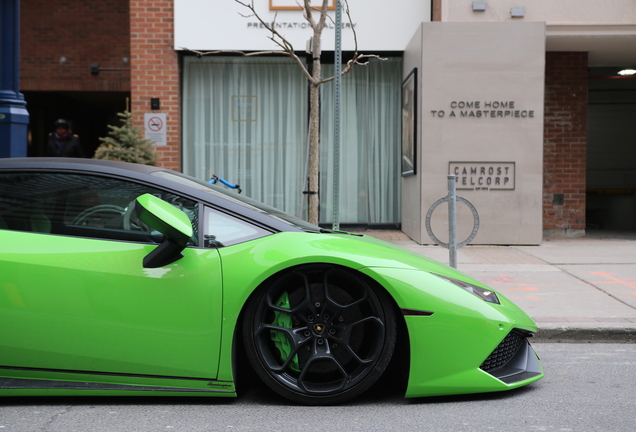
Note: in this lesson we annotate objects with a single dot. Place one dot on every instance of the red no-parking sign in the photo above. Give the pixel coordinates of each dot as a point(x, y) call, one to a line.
point(155, 128)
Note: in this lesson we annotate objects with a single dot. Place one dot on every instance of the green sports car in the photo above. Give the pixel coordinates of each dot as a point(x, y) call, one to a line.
point(124, 279)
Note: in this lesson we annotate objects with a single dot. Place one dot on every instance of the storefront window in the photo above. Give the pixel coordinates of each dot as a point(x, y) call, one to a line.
point(370, 137)
point(245, 119)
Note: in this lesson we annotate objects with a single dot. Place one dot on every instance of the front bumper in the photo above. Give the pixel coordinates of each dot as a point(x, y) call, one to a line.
point(463, 344)
point(455, 362)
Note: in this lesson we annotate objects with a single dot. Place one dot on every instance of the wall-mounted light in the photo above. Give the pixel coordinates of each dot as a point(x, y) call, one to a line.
point(627, 72)
point(62, 60)
point(479, 6)
point(517, 12)
point(95, 69)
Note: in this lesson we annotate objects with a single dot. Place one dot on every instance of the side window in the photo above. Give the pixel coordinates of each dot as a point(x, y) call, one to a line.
point(23, 205)
point(221, 229)
point(80, 205)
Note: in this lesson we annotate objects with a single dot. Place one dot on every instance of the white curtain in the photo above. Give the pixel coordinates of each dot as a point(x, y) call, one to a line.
point(245, 119)
point(370, 144)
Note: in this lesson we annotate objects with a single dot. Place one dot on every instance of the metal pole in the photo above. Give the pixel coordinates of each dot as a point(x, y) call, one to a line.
point(336, 122)
point(14, 117)
point(452, 222)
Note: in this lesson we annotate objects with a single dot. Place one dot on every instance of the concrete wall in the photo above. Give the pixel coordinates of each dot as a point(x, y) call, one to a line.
point(412, 218)
point(551, 11)
point(481, 88)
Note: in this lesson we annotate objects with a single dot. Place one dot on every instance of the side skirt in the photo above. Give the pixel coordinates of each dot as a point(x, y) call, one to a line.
point(49, 382)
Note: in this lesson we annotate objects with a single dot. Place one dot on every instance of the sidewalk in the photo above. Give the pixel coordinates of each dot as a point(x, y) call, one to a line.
point(579, 289)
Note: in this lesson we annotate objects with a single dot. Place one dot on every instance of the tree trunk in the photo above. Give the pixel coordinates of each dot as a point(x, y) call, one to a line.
point(314, 146)
point(314, 119)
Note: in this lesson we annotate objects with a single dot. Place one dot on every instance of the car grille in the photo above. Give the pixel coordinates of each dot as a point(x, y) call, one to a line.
point(504, 352)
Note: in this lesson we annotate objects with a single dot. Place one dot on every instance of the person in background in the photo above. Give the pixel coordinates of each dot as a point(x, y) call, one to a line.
point(63, 142)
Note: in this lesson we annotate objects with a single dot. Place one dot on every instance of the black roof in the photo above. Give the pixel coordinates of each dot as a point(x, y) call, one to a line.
point(213, 196)
point(75, 164)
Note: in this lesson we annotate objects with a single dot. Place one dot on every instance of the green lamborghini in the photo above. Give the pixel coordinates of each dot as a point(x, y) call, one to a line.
point(123, 279)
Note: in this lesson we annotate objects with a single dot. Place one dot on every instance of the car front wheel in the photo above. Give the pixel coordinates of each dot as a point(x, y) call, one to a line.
point(319, 334)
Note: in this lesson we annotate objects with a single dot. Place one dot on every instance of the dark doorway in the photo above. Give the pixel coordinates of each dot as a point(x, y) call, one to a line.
point(89, 114)
point(611, 153)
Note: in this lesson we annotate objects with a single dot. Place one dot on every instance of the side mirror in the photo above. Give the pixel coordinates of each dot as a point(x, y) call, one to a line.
point(169, 221)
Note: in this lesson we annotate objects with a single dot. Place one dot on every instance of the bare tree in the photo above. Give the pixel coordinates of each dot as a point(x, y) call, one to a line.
point(317, 19)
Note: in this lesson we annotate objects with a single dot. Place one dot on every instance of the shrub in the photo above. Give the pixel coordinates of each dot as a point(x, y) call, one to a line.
point(126, 143)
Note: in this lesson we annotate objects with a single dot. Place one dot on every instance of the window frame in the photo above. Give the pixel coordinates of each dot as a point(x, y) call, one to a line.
point(60, 203)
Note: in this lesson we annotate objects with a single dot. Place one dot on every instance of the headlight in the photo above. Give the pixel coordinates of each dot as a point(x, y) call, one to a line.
point(480, 292)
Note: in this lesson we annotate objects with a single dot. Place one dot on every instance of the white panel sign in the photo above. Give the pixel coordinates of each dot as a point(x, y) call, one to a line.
point(155, 128)
point(380, 25)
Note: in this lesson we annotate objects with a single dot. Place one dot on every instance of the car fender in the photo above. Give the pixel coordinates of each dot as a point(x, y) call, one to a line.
point(248, 265)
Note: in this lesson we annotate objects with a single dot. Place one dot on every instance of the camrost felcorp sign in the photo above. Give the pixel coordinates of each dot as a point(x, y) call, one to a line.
point(483, 175)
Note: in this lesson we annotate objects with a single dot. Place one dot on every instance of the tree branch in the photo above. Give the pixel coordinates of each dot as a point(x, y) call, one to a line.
point(287, 48)
point(356, 60)
point(243, 53)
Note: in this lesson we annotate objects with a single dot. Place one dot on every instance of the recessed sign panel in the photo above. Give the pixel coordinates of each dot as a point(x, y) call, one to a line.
point(295, 5)
point(229, 25)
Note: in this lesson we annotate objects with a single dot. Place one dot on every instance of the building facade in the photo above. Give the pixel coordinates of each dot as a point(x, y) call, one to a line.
point(521, 100)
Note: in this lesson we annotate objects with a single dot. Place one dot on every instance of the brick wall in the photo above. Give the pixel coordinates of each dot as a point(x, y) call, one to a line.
point(565, 142)
point(155, 71)
point(82, 33)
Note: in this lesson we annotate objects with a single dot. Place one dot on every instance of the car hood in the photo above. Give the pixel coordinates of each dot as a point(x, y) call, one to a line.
point(373, 252)
point(284, 249)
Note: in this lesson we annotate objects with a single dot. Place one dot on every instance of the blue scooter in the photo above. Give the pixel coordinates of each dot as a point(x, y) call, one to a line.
point(216, 179)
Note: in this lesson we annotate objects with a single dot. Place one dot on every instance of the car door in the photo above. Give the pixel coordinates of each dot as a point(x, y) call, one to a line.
point(74, 295)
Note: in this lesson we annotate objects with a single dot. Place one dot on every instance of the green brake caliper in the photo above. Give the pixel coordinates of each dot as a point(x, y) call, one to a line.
point(283, 319)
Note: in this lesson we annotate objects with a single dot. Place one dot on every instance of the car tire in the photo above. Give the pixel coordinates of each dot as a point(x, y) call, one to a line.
point(319, 334)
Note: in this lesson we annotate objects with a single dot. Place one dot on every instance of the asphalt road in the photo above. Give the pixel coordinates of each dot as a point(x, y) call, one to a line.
point(588, 387)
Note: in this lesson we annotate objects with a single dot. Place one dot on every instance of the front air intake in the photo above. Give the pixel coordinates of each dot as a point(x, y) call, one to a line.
point(513, 360)
point(505, 351)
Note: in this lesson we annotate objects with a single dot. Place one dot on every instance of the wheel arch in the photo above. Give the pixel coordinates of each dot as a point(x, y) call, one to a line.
point(394, 377)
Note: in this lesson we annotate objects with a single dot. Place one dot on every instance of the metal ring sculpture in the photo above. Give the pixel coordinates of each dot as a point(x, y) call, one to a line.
point(475, 221)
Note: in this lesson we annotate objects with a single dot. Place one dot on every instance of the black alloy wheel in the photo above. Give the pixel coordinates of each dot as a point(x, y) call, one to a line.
point(320, 334)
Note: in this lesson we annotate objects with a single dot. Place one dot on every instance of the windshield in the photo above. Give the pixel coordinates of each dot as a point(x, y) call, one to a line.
point(235, 198)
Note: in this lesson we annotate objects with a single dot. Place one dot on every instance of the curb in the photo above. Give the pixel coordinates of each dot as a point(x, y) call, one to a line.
point(585, 335)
